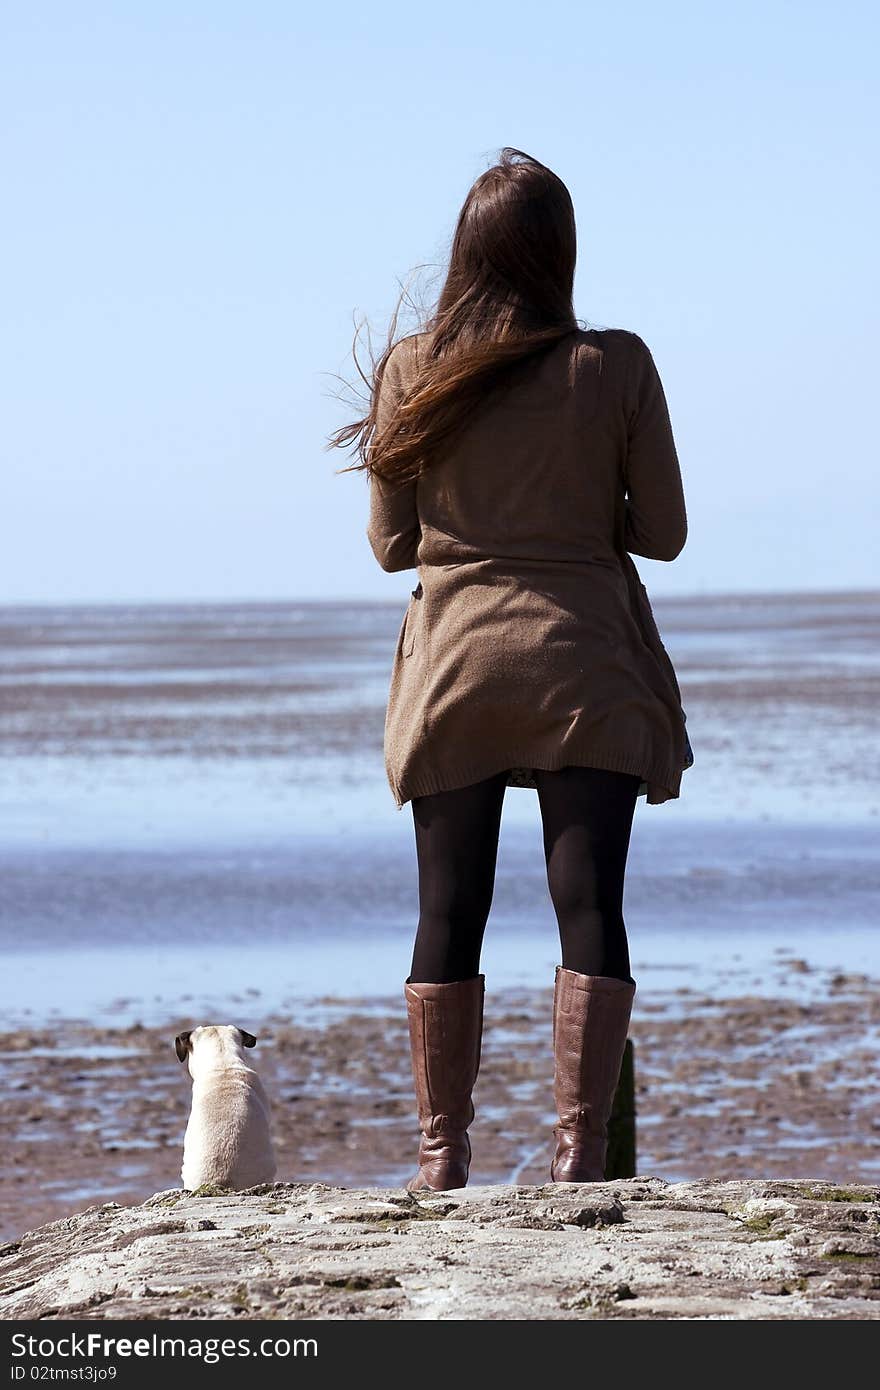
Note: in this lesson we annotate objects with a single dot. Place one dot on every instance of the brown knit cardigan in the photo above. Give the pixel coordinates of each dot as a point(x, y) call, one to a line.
point(529, 641)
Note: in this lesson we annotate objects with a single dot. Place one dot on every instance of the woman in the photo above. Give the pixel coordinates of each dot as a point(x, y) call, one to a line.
point(515, 459)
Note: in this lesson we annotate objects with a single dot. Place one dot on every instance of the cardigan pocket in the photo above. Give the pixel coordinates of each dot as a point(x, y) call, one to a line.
point(656, 640)
point(409, 629)
point(663, 654)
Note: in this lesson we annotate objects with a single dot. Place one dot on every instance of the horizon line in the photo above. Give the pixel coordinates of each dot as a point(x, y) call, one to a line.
point(359, 599)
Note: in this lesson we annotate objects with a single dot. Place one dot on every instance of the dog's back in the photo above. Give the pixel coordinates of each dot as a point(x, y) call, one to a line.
point(228, 1141)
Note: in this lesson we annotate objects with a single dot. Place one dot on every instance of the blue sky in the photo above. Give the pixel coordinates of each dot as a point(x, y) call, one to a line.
point(203, 198)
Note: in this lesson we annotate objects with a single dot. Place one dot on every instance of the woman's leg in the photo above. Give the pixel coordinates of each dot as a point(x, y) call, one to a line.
point(457, 848)
point(587, 816)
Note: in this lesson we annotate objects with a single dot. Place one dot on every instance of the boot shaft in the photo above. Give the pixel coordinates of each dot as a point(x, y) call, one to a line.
point(445, 1028)
point(591, 1015)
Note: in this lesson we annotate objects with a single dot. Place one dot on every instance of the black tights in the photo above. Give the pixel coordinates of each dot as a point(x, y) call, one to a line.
point(587, 816)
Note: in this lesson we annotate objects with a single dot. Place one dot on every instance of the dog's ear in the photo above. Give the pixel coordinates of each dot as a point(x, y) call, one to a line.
point(247, 1038)
point(182, 1045)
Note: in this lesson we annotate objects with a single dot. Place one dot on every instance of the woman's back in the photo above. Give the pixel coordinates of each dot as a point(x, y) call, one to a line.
point(530, 477)
point(537, 474)
point(520, 647)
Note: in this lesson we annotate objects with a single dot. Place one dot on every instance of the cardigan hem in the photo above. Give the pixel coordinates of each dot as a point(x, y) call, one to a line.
point(463, 774)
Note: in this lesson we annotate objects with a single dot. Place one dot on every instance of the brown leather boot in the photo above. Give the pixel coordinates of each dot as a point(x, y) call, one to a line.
point(445, 1033)
point(590, 1021)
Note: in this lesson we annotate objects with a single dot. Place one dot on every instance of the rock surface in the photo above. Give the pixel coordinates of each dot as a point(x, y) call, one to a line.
point(641, 1248)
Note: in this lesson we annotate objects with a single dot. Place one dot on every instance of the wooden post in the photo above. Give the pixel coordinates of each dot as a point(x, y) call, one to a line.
point(621, 1158)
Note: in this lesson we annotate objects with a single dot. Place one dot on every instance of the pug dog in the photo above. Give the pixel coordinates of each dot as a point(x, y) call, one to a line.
point(227, 1141)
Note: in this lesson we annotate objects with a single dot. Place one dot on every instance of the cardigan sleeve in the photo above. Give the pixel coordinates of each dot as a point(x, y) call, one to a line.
point(656, 519)
point(393, 529)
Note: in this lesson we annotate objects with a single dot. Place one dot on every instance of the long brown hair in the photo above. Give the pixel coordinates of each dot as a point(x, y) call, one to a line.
point(507, 296)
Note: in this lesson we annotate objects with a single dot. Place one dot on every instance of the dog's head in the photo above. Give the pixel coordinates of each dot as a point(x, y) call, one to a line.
point(218, 1037)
